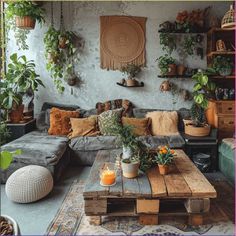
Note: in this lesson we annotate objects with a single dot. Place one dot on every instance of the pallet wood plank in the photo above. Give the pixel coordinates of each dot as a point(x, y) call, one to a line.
point(146, 206)
point(144, 186)
point(175, 184)
point(198, 184)
point(157, 183)
point(93, 207)
point(130, 187)
point(92, 187)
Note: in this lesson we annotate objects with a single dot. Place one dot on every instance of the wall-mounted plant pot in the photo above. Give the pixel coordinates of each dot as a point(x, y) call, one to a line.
point(16, 114)
point(181, 69)
point(131, 82)
point(25, 22)
point(165, 86)
point(191, 129)
point(172, 69)
point(72, 81)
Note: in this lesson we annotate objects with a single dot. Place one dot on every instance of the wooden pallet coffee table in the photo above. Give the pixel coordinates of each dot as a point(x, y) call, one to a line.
point(183, 192)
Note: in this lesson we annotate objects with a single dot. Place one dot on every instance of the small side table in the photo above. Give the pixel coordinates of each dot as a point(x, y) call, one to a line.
point(18, 130)
point(207, 145)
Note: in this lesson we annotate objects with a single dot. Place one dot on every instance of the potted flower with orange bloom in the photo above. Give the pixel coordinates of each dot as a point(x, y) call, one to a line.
point(164, 158)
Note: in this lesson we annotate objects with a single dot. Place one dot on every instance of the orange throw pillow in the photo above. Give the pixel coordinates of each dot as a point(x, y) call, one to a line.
point(141, 127)
point(163, 122)
point(83, 127)
point(60, 121)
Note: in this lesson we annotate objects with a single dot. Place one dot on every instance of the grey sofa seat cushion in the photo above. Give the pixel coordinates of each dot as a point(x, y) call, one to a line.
point(93, 143)
point(38, 148)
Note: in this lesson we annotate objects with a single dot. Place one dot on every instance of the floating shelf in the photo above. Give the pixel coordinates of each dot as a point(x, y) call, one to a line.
point(229, 77)
point(215, 53)
point(175, 76)
point(220, 30)
point(136, 86)
point(159, 31)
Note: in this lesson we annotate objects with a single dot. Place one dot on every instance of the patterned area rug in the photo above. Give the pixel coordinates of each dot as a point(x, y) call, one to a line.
point(71, 220)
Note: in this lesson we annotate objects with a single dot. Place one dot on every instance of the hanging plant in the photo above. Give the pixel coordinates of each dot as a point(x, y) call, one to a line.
point(21, 17)
point(168, 42)
point(189, 45)
point(60, 50)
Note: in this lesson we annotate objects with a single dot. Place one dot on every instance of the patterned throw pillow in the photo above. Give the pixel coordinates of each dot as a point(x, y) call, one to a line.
point(60, 121)
point(109, 119)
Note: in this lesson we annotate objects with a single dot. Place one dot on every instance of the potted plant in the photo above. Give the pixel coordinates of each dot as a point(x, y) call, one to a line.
point(21, 17)
point(167, 65)
point(164, 158)
point(131, 70)
point(4, 133)
point(60, 48)
point(222, 65)
point(168, 42)
point(8, 225)
point(19, 79)
point(202, 90)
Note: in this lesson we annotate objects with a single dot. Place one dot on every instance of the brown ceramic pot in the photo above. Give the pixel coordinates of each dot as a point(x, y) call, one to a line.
point(25, 22)
point(131, 82)
point(163, 169)
point(181, 69)
point(171, 69)
point(16, 114)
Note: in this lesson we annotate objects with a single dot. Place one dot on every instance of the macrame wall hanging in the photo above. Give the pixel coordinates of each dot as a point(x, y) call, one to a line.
point(122, 41)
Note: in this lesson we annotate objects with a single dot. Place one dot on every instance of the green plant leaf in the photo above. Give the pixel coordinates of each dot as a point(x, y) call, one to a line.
point(197, 87)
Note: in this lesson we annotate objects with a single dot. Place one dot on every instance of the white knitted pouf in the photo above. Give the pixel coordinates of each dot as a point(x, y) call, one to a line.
point(29, 184)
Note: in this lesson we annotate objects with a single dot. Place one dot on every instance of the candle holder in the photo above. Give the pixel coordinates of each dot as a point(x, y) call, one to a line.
point(108, 174)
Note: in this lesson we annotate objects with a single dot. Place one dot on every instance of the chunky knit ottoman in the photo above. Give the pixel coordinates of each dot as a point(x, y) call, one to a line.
point(29, 184)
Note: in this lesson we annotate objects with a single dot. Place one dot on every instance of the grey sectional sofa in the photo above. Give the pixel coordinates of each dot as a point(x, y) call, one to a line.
point(56, 152)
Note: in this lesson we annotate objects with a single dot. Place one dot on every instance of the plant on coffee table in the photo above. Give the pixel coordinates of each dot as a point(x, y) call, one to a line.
point(8, 225)
point(164, 158)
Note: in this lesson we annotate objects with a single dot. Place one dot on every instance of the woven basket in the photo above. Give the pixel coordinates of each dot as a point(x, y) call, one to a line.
point(228, 20)
point(25, 22)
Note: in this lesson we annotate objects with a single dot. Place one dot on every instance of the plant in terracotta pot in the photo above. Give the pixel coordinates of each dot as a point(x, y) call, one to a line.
point(131, 70)
point(164, 158)
point(167, 65)
point(202, 91)
point(19, 79)
point(8, 226)
point(21, 17)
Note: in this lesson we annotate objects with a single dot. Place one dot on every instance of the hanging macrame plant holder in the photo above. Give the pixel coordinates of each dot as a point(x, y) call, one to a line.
point(62, 38)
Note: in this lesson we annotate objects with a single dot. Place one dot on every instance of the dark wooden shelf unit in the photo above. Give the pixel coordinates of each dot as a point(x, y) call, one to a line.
point(136, 86)
point(228, 77)
point(175, 76)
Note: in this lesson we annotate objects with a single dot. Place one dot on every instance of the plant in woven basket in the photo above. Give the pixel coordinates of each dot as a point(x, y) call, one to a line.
point(21, 16)
point(222, 65)
point(7, 224)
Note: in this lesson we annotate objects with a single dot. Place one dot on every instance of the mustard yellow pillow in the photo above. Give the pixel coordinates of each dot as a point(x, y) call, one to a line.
point(163, 122)
point(60, 121)
point(83, 127)
point(141, 127)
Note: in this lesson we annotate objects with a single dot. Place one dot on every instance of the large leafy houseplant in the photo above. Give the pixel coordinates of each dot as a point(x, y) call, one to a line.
point(222, 65)
point(17, 11)
point(59, 51)
point(19, 79)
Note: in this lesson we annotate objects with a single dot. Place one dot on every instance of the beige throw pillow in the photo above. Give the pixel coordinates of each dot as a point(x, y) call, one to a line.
point(163, 122)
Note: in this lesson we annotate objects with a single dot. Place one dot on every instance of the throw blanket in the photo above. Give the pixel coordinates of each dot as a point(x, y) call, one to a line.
point(230, 142)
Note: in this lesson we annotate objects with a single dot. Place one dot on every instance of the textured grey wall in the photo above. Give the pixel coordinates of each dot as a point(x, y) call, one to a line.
point(100, 85)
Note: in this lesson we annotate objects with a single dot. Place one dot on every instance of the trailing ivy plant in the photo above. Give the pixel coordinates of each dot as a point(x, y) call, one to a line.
point(59, 58)
point(22, 8)
point(189, 45)
point(168, 42)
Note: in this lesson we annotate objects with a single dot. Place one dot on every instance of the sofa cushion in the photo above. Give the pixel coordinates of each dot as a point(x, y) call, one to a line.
point(84, 127)
point(93, 143)
point(38, 148)
point(163, 122)
point(108, 120)
point(140, 126)
point(60, 121)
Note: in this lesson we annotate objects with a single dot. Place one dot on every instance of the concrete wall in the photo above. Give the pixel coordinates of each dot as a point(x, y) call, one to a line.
point(100, 85)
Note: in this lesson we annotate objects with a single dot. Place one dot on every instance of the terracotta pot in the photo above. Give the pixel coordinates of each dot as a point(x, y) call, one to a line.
point(16, 114)
point(130, 170)
point(25, 22)
point(163, 169)
point(181, 69)
point(165, 86)
point(171, 69)
point(191, 129)
point(131, 82)
point(62, 42)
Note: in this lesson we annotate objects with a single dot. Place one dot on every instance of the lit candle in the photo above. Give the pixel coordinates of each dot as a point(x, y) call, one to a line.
point(108, 177)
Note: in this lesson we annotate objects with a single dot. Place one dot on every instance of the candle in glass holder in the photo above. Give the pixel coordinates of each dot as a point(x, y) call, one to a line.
point(108, 176)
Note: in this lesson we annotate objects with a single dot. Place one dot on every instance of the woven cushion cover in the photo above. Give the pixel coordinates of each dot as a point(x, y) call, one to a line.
point(29, 184)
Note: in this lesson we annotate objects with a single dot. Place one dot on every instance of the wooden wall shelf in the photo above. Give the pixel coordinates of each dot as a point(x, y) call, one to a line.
point(175, 76)
point(220, 30)
point(216, 53)
point(136, 86)
point(229, 77)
